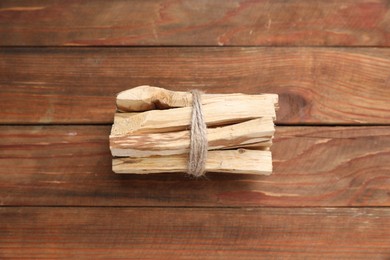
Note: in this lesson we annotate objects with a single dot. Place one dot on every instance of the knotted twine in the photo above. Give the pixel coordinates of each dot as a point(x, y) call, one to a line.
point(198, 138)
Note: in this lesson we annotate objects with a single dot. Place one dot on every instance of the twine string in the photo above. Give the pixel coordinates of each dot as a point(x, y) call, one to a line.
point(198, 137)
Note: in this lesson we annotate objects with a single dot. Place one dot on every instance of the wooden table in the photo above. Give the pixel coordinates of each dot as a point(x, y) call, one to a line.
point(62, 62)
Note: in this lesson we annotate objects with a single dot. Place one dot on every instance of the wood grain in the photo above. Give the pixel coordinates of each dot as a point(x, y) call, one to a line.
point(193, 22)
point(179, 119)
point(78, 85)
point(143, 98)
point(328, 197)
point(185, 233)
point(313, 166)
point(239, 161)
point(256, 132)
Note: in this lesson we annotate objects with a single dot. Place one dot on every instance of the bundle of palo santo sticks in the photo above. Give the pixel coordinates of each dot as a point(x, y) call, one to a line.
point(151, 133)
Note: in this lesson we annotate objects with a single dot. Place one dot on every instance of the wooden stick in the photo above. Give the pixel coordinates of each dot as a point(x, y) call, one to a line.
point(263, 146)
point(254, 132)
point(176, 119)
point(231, 161)
point(145, 98)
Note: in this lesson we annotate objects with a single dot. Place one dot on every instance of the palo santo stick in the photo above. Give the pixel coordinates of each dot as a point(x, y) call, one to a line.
point(253, 132)
point(145, 98)
point(232, 161)
point(175, 119)
point(264, 146)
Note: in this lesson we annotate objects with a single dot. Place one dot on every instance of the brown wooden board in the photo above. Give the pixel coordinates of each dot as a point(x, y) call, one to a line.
point(328, 196)
point(78, 85)
point(194, 233)
point(313, 166)
point(213, 23)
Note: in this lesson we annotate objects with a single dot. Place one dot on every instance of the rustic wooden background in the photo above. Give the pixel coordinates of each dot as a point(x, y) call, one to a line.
point(62, 62)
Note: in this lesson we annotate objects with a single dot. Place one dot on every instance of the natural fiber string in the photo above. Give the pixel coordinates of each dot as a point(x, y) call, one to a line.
point(198, 138)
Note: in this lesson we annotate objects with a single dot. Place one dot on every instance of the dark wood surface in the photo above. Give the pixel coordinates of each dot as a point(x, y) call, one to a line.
point(313, 166)
point(62, 62)
point(213, 23)
point(195, 233)
point(78, 85)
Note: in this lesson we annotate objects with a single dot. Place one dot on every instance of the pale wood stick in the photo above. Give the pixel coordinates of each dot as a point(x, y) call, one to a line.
point(231, 161)
point(256, 132)
point(145, 98)
point(175, 119)
point(264, 145)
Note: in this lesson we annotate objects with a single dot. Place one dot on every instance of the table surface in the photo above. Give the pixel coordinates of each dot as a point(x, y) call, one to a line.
point(62, 62)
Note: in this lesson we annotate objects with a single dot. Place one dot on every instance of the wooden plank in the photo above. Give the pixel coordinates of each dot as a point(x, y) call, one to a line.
point(313, 166)
point(78, 85)
point(170, 233)
point(191, 22)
